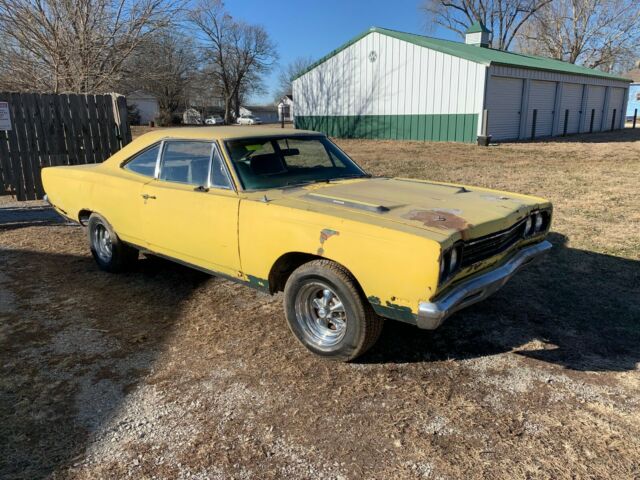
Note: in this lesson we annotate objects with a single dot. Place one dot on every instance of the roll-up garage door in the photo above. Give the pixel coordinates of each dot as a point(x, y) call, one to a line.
point(570, 105)
point(593, 112)
point(616, 102)
point(542, 96)
point(504, 99)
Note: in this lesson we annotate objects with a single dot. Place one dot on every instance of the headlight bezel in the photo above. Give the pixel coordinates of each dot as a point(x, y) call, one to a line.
point(449, 268)
point(537, 223)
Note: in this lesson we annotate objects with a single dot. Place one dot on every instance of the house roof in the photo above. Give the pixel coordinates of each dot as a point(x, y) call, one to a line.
point(478, 27)
point(260, 108)
point(485, 56)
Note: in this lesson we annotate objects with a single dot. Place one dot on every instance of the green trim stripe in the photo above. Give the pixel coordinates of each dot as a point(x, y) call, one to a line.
point(460, 127)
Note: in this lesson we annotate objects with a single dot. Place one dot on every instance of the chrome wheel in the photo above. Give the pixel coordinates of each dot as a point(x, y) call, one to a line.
point(101, 239)
point(321, 315)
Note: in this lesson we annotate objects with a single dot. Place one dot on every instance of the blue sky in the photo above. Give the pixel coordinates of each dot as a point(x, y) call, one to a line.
point(314, 28)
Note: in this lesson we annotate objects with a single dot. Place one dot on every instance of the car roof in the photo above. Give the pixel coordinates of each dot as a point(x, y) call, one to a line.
point(220, 133)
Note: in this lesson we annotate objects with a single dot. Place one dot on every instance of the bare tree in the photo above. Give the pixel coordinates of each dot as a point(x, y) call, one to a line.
point(503, 17)
point(288, 73)
point(601, 34)
point(165, 65)
point(73, 45)
point(239, 54)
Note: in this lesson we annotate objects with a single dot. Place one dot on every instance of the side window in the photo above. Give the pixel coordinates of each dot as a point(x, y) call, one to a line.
point(185, 162)
point(219, 177)
point(145, 162)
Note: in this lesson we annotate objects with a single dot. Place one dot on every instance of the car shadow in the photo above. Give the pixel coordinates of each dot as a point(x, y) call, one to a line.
point(575, 308)
point(72, 350)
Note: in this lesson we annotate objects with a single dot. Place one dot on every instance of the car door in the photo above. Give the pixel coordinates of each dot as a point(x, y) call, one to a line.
point(190, 210)
point(120, 194)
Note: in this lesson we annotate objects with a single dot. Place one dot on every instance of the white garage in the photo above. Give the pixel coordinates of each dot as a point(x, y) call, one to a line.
point(395, 85)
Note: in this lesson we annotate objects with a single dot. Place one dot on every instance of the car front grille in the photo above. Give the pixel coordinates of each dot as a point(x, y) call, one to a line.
point(486, 247)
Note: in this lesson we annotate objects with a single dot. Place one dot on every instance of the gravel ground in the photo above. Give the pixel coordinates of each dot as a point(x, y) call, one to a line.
point(165, 372)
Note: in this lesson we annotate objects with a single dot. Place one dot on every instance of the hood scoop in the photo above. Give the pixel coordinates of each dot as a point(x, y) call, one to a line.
point(349, 203)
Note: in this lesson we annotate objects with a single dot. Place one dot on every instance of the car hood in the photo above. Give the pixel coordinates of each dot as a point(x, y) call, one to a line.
point(443, 209)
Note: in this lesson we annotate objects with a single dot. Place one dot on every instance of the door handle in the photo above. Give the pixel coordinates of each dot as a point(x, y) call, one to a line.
point(148, 197)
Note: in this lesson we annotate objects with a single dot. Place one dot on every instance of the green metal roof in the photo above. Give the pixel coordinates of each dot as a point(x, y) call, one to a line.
point(485, 56)
point(478, 27)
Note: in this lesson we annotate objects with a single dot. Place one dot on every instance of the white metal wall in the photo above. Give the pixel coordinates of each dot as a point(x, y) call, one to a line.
point(404, 79)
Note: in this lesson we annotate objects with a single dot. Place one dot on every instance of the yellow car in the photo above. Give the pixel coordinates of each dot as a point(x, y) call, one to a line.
point(289, 211)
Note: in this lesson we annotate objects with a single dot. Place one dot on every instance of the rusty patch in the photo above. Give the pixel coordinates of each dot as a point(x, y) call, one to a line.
point(442, 219)
point(325, 234)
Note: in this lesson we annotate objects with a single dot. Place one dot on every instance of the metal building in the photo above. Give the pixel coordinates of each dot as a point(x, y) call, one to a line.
point(393, 85)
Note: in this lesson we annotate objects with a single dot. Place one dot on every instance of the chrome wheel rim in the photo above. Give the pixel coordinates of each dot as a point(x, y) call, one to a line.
point(321, 315)
point(101, 239)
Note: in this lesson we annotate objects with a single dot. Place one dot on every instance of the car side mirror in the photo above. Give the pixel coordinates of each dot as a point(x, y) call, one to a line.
point(201, 188)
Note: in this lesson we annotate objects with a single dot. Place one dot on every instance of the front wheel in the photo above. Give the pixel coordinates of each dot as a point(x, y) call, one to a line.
point(327, 312)
point(109, 252)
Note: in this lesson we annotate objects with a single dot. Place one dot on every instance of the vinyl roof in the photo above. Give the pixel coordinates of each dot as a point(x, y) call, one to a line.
point(485, 56)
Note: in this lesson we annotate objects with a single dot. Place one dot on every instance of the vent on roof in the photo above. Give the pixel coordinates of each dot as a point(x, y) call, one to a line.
point(478, 35)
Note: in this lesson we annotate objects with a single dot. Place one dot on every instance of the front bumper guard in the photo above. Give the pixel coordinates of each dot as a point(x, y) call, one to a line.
point(432, 314)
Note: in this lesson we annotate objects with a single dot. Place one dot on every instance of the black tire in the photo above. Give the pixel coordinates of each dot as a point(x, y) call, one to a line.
point(116, 258)
point(345, 316)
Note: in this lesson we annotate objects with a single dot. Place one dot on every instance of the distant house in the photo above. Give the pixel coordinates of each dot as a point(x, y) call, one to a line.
point(633, 104)
point(266, 113)
point(146, 103)
point(286, 106)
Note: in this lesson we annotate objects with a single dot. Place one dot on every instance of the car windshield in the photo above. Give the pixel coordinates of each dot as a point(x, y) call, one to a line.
point(285, 161)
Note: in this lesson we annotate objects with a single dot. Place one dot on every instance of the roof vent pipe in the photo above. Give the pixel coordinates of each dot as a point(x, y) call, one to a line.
point(478, 35)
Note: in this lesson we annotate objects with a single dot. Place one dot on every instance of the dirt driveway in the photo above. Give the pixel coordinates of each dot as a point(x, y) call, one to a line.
point(164, 372)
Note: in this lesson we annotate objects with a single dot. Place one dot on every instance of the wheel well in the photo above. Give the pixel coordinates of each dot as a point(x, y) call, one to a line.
point(284, 267)
point(287, 263)
point(83, 216)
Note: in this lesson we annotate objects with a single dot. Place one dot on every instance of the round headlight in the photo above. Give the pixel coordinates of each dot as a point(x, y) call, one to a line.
point(539, 221)
point(527, 226)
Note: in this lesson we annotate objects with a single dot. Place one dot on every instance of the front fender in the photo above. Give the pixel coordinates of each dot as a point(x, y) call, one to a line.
point(396, 269)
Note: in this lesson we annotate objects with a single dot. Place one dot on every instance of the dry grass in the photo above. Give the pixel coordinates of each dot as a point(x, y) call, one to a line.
point(167, 373)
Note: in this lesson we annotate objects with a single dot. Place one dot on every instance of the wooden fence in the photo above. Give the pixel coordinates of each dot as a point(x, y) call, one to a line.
point(47, 130)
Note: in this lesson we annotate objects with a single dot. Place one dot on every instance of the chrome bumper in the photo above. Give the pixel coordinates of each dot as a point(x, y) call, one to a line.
point(432, 314)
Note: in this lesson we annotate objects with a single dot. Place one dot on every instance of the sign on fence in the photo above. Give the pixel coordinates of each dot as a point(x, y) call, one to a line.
point(5, 119)
point(48, 130)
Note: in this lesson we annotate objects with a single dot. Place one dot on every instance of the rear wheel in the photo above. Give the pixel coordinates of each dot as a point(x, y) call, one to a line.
point(328, 313)
point(109, 252)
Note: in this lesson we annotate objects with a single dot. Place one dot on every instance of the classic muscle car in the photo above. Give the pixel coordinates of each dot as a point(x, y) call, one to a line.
point(289, 211)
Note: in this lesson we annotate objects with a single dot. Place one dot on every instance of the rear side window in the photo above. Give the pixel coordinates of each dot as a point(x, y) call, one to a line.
point(145, 162)
point(186, 162)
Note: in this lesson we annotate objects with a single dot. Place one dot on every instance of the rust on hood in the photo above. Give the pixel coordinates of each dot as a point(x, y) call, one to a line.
point(440, 218)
